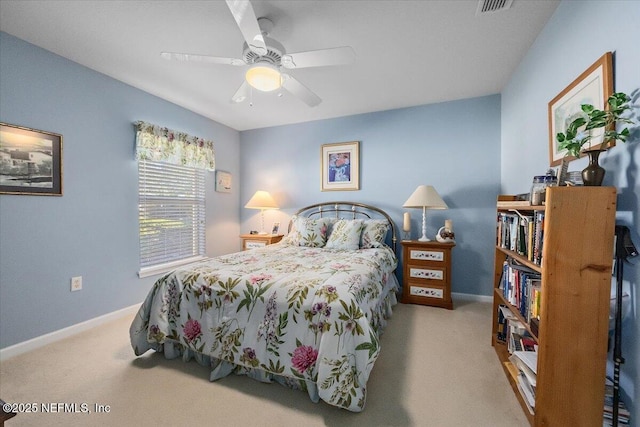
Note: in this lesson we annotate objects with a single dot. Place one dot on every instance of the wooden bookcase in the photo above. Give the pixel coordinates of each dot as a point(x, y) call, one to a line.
point(577, 257)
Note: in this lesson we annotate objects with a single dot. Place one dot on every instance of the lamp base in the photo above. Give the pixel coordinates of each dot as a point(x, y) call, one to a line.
point(424, 237)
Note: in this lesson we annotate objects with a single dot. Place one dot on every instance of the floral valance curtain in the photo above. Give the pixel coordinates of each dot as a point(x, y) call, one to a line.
point(160, 144)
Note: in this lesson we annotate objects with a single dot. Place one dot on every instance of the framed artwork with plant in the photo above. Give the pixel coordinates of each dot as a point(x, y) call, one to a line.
point(30, 161)
point(340, 166)
point(593, 87)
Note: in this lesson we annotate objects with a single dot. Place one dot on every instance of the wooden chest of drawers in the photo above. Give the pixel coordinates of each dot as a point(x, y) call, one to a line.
point(427, 273)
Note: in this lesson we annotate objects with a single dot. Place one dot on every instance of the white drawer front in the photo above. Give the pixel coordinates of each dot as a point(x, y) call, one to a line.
point(426, 292)
point(425, 273)
point(426, 255)
point(252, 244)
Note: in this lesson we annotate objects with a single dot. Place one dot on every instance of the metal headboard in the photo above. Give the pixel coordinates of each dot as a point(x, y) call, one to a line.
point(328, 209)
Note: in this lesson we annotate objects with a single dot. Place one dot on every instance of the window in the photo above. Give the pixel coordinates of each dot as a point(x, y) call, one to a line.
point(171, 208)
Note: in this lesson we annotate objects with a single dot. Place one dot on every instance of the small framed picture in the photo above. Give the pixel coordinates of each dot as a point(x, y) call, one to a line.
point(223, 182)
point(30, 161)
point(276, 227)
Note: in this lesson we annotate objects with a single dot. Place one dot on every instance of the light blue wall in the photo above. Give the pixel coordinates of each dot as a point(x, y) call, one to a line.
point(92, 230)
point(575, 37)
point(453, 146)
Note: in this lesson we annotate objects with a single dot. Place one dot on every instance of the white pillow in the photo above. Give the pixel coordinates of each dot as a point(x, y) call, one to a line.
point(345, 234)
point(307, 232)
point(374, 233)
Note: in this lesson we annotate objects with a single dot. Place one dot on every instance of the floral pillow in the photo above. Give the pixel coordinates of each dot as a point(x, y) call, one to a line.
point(307, 232)
point(374, 233)
point(345, 234)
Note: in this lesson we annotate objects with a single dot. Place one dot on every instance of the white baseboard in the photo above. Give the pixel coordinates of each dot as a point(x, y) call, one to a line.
point(60, 334)
point(471, 297)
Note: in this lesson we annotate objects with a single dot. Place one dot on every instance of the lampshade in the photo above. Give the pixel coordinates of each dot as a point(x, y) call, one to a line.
point(425, 196)
point(261, 200)
point(264, 76)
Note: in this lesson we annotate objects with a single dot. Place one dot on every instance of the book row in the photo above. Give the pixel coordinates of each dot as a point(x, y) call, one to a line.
point(624, 416)
point(522, 233)
point(512, 332)
point(521, 287)
point(524, 369)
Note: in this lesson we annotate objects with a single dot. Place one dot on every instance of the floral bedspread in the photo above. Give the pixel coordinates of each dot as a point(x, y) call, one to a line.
point(308, 318)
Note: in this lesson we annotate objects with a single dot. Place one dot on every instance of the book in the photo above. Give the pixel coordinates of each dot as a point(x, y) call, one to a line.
point(528, 344)
point(524, 397)
point(527, 363)
point(513, 203)
point(529, 358)
point(527, 391)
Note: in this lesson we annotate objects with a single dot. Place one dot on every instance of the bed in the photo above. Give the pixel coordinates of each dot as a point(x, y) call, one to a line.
point(306, 312)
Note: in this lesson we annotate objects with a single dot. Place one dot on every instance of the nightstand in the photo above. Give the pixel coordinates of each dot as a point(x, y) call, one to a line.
point(252, 241)
point(427, 273)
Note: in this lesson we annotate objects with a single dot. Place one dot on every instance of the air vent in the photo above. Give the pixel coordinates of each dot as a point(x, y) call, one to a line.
point(491, 6)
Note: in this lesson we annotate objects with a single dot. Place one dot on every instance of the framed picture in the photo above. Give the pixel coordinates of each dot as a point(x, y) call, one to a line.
point(223, 182)
point(594, 86)
point(30, 161)
point(276, 228)
point(340, 165)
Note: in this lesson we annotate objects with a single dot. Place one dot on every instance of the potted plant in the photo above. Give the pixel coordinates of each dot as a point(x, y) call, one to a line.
point(580, 131)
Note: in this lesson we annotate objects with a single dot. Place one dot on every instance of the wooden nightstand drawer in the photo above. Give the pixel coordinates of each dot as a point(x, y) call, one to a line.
point(427, 273)
point(252, 244)
point(426, 255)
point(421, 292)
point(253, 241)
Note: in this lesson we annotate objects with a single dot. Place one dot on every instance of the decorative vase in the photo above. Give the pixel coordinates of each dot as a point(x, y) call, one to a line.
point(593, 174)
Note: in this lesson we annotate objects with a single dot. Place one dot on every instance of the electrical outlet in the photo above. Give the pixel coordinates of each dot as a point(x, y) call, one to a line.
point(76, 283)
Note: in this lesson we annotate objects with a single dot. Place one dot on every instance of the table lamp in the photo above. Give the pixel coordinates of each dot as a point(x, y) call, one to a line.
point(261, 200)
point(425, 197)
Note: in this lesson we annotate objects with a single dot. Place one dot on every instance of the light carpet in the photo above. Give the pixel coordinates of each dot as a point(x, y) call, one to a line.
point(437, 368)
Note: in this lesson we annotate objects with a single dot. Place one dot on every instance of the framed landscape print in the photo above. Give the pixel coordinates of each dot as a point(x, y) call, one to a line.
point(594, 86)
point(340, 164)
point(30, 161)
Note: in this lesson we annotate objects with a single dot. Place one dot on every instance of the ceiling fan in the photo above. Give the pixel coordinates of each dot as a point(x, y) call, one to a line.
point(267, 59)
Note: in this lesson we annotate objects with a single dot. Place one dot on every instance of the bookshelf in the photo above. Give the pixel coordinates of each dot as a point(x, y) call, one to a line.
point(575, 275)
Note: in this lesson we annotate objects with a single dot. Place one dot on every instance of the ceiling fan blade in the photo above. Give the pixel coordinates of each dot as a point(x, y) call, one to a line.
point(319, 58)
point(241, 94)
point(300, 91)
point(245, 17)
point(201, 58)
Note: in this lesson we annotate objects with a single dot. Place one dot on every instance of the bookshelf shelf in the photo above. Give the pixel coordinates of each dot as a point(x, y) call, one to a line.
point(575, 276)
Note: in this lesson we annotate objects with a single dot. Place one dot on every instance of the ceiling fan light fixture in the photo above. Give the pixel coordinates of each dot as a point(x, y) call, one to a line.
point(264, 77)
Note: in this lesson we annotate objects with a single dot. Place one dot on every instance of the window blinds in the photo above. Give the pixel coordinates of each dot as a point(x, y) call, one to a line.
point(171, 209)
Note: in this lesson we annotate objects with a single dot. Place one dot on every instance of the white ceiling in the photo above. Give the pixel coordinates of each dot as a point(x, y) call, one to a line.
point(408, 52)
